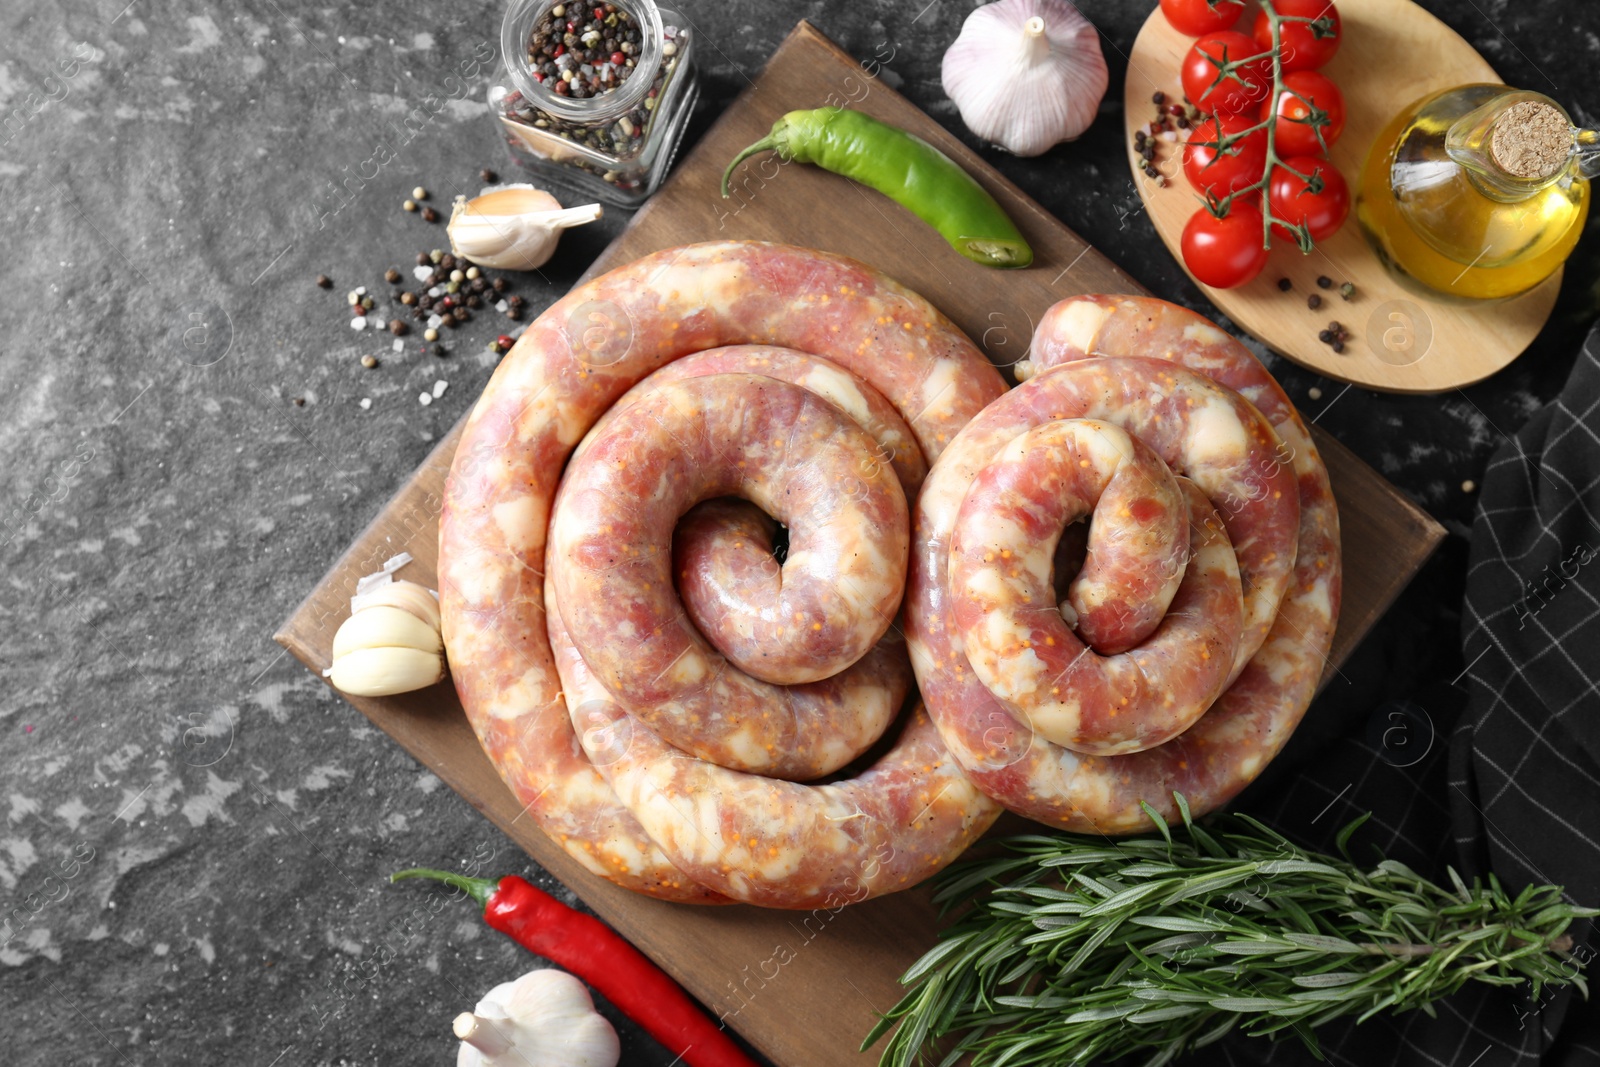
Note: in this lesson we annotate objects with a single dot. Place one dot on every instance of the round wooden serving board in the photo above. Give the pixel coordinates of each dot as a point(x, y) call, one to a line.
point(1393, 53)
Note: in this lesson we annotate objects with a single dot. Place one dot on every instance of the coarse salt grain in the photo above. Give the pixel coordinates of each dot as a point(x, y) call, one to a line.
point(358, 323)
point(421, 273)
point(434, 322)
point(439, 387)
point(425, 399)
point(398, 346)
point(366, 402)
point(501, 306)
point(377, 324)
point(361, 290)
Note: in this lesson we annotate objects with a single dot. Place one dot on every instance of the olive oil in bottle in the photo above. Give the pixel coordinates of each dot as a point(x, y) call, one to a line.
point(1478, 192)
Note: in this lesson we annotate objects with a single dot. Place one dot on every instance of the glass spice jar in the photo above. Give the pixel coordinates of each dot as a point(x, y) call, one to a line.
point(596, 96)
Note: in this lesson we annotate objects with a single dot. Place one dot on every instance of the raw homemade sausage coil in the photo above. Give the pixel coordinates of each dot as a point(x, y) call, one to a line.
point(1203, 617)
point(659, 693)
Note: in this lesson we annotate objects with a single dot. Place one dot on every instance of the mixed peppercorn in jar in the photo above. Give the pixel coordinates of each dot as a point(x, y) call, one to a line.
point(597, 94)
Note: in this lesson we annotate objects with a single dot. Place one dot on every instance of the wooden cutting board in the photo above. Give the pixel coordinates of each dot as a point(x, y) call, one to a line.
point(1401, 341)
point(805, 987)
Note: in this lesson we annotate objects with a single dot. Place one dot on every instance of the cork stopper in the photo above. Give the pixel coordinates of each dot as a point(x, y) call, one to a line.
point(1531, 140)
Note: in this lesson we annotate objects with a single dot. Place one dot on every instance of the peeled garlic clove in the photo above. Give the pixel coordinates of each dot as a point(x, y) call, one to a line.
point(1026, 74)
point(381, 672)
point(385, 627)
point(512, 227)
point(407, 596)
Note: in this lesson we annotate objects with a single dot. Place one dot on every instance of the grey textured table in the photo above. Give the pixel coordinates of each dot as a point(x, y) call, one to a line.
point(196, 831)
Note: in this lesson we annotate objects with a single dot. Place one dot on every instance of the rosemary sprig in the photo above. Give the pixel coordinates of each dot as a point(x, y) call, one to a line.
point(1079, 950)
point(1316, 118)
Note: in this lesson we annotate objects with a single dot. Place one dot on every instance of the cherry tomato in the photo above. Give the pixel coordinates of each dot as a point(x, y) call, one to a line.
point(1224, 252)
point(1243, 163)
point(1302, 48)
point(1199, 17)
point(1292, 200)
point(1294, 136)
point(1242, 90)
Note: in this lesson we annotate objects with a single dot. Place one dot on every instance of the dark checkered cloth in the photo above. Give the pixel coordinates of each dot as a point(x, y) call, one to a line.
point(1505, 777)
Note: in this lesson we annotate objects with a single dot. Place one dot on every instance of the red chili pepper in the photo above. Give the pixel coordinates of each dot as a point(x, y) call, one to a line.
point(600, 956)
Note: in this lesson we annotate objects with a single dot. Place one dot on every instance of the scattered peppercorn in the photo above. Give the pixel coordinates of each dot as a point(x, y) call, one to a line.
point(500, 286)
point(488, 175)
point(408, 299)
point(1347, 290)
point(504, 341)
point(324, 282)
point(430, 334)
point(398, 327)
point(1284, 285)
point(419, 193)
point(369, 361)
point(429, 215)
point(422, 259)
point(1158, 98)
point(410, 205)
point(1313, 301)
point(460, 314)
point(1338, 346)
point(1468, 486)
point(299, 401)
point(1325, 336)
point(1324, 282)
point(391, 276)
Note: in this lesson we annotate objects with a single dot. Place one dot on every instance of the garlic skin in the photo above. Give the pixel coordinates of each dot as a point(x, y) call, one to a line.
point(1026, 74)
point(512, 227)
point(390, 643)
point(545, 1018)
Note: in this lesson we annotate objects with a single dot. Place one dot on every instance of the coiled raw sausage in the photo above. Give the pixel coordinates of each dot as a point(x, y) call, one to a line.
point(1203, 431)
point(569, 368)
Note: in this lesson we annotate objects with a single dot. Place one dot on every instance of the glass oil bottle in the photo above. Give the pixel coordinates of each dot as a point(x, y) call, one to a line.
point(1477, 193)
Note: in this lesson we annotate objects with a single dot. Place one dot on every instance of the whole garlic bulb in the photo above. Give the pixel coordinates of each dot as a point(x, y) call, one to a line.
point(1026, 74)
point(390, 643)
point(545, 1018)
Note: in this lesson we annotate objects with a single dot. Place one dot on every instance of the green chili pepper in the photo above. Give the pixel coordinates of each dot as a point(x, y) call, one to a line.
point(903, 167)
